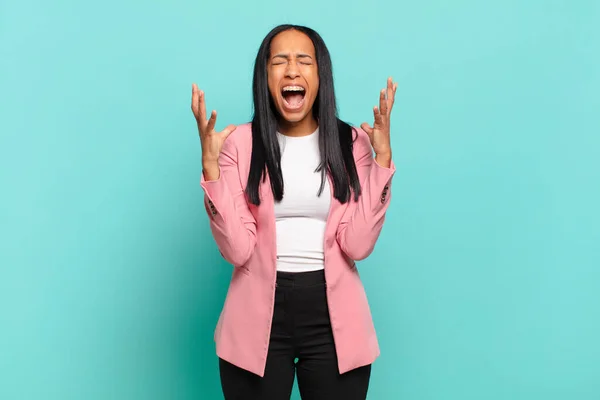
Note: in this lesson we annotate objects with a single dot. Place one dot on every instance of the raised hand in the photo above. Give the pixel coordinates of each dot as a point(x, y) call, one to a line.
point(211, 141)
point(379, 133)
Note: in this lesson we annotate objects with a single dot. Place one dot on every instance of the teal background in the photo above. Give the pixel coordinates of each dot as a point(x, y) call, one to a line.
point(485, 283)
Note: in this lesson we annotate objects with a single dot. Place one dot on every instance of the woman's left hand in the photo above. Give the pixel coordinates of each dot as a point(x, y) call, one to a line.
point(379, 133)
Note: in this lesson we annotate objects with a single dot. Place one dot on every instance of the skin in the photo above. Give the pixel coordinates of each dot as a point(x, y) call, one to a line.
point(292, 61)
point(379, 133)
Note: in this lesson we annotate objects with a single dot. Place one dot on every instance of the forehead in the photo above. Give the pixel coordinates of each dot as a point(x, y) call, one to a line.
point(292, 41)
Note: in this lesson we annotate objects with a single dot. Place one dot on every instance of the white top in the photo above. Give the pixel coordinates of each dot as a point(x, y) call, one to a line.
point(301, 215)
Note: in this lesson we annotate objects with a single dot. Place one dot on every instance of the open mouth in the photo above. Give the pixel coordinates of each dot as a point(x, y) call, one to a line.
point(293, 97)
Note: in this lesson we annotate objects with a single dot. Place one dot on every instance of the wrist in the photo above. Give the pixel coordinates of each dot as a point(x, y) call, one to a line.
point(209, 163)
point(210, 170)
point(384, 159)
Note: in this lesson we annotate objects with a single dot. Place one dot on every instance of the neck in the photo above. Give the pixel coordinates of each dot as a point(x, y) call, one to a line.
point(300, 128)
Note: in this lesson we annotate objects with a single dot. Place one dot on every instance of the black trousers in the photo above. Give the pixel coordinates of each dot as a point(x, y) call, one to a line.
point(301, 344)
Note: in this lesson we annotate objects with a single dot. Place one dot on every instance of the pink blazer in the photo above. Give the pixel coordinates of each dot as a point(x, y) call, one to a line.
point(245, 236)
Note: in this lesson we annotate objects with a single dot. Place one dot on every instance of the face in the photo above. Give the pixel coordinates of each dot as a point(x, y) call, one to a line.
point(293, 76)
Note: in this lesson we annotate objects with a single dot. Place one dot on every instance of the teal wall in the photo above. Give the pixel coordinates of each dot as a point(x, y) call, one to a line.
point(485, 283)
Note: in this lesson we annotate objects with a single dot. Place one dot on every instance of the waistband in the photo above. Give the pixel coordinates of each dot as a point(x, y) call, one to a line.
point(300, 279)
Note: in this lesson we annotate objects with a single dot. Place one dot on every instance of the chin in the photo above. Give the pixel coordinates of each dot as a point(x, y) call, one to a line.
point(293, 117)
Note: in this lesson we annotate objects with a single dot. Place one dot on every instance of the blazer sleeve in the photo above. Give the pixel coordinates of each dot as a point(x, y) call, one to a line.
point(362, 220)
point(232, 224)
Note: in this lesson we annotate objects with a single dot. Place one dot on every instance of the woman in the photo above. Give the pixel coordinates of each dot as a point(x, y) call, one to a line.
point(294, 198)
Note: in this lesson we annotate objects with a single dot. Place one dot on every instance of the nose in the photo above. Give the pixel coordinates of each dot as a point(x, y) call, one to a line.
point(292, 70)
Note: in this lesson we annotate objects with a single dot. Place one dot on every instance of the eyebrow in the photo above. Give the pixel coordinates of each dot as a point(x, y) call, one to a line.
point(286, 55)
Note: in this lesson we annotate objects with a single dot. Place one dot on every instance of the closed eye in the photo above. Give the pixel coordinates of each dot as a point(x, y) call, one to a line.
point(284, 62)
point(280, 59)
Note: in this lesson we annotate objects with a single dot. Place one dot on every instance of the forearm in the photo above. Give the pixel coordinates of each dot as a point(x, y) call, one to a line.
point(363, 220)
point(210, 170)
point(384, 159)
point(231, 222)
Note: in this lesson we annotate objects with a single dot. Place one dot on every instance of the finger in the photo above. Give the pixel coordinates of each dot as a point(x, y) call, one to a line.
point(377, 115)
point(195, 100)
point(201, 107)
point(228, 130)
point(383, 102)
point(390, 92)
point(393, 96)
point(212, 121)
point(367, 128)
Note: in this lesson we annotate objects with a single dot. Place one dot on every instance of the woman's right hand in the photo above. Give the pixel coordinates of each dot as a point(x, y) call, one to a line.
point(211, 141)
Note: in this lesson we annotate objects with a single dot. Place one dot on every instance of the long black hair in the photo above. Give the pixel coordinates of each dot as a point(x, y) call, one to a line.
point(335, 135)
